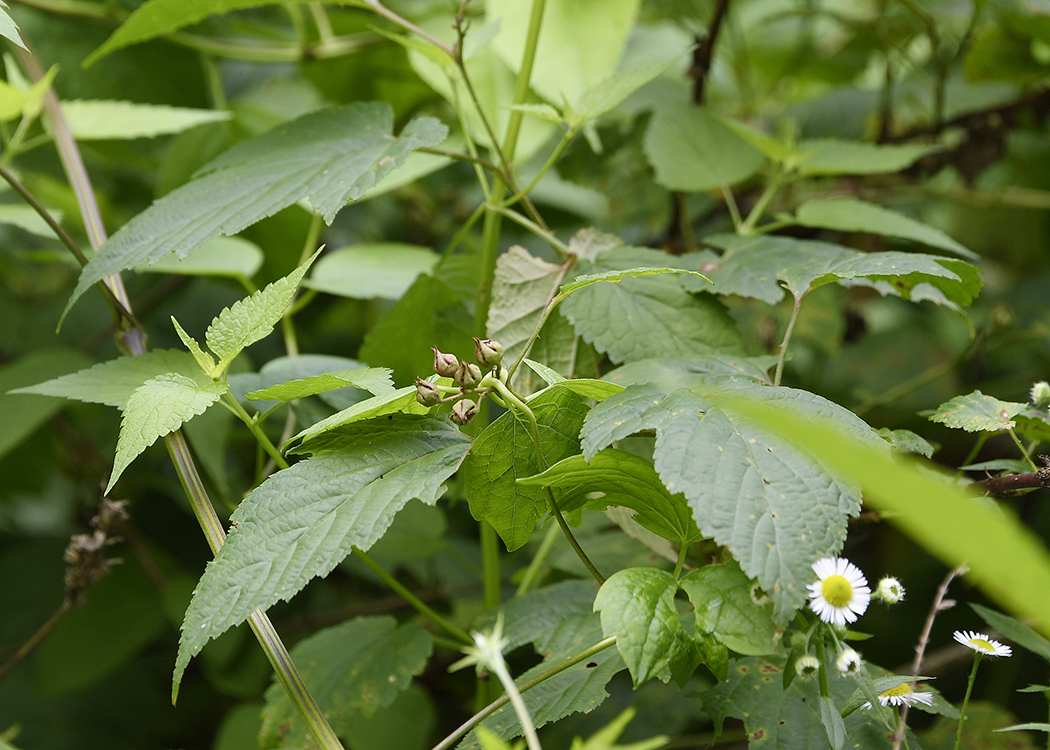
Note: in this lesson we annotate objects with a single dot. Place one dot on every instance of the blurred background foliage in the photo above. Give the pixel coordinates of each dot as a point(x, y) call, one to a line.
point(969, 76)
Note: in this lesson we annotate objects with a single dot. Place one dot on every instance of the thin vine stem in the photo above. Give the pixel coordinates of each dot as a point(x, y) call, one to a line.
point(532, 573)
point(787, 340)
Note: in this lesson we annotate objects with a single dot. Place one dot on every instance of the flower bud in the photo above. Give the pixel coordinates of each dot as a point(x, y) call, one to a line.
point(463, 411)
point(890, 590)
point(487, 352)
point(444, 364)
point(1041, 394)
point(467, 376)
point(427, 393)
point(849, 662)
point(807, 666)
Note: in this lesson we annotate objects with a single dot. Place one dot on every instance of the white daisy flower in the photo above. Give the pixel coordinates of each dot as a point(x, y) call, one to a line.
point(890, 590)
point(981, 643)
point(849, 662)
point(807, 666)
point(902, 695)
point(841, 593)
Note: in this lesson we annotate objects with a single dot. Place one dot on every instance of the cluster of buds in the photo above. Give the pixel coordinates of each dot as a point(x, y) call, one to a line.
point(466, 375)
point(86, 553)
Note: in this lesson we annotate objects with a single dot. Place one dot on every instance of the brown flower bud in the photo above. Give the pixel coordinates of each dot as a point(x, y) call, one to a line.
point(487, 352)
point(463, 411)
point(445, 365)
point(467, 375)
point(427, 393)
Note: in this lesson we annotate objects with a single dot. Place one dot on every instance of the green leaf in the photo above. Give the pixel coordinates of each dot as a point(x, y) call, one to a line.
point(853, 215)
point(615, 277)
point(832, 721)
point(724, 600)
point(535, 617)
point(755, 266)
point(24, 413)
point(403, 400)
point(1035, 726)
point(351, 669)
point(201, 357)
point(773, 506)
point(976, 412)
point(328, 157)
point(28, 219)
point(113, 382)
point(373, 379)
point(251, 319)
point(692, 150)
point(157, 407)
point(222, 256)
point(829, 156)
point(555, 350)
point(674, 374)
point(611, 91)
point(112, 120)
point(383, 269)
point(906, 441)
point(1016, 631)
point(637, 606)
point(504, 451)
point(597, 390)
point(8, 27)
point(302, 521)
point(625, 480)
point(646, 317)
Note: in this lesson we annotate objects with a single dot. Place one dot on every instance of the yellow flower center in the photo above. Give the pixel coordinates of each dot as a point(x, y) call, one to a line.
point(902, 689)
point(982, 644)
point(837, 591)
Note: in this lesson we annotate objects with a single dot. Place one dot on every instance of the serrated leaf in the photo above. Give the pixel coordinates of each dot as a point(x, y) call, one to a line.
point(692, 150)
point(637, 606)
point(645, 317)
point(853, 215)
point(615, 277)
point(157, 407)
point(403, 400)
point(201, 357)
point(1015, 630)
point(350, 669)
point(8, 27)
point(675, 374)
point(773, 506)
point(906, 441)
point(383, 269)
point(110, 120)
point(725, 608)
point(828, 156)
point(625, 480)
point(328, 157)
point(235, 257)
point(373, 379)
point(252, 319)
point(504, 451)
point(302, 521)
point(756, 266)
point(976, 412)
point(113, 382)
point(611, 91)
point(535, 617)
point(301, 367)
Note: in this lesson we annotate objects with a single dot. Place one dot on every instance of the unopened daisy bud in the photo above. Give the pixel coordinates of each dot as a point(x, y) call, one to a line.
point(1041, 394)
point(890, 590)
point(427, 393)
point(463, 411)
point(807, 666)
point(487, 352)
point(444, 364)
point(467, 376)
point(849, 662)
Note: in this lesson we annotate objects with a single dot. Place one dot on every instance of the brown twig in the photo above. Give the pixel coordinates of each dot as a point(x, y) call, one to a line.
point(704, 52)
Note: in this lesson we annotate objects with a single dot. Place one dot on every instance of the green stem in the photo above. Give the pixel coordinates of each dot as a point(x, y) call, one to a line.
point(560, 247)
point(748, 227)
point(822, 672)
point(734, 210)
point(390, 15)
point(681, 561)
point(257, 431)
point(555, 298)
point(787, 340)
point(532, 573)
point(966, 699)
point(1024, 453)
point(451, 628)
point(523, 687)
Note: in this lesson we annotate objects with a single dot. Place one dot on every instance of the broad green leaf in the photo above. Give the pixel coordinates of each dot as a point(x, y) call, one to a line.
point(724, 599)
point(353, 668)
point(829, 156)
point(222, 256)
point(611, 91)
point(157, 407)
point(1016, 631)
point(327, 157)
point(691, 150)
point(374, 379)
point(403, 400)
point(652, 316)
point(772, 505)
point(777, 151)
point(568, 62)
point(305, 366)
point(534, 617)
point(302, 521)
point(112, 120)
point(674, 374)
point(383, 269)
point(113, 382)
point(23, 412)
point(637, 606)
point(625, 480)
point(8, 27)
point(976, 412)
point(252, 319)
point(756, 267)
point(832, 721)
point(853, 215)
point(504, 451)
point(615, 277)
point(1005, 559)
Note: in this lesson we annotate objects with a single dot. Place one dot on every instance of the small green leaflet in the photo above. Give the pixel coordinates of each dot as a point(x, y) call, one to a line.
point(976, 412)
point(353, 668)
point(112, 120)
point(725, 603)
point(328, 157)
point(373, 379)
point(611, 91)
point(615, 277)
point(828, 156)
point(637, 606)
point(504, 451)
point(159, 406)
point(1015, 630)
point(113, 382)
point(625, 480)
point(8, 28)
point(302, 521)
point(401, 400)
